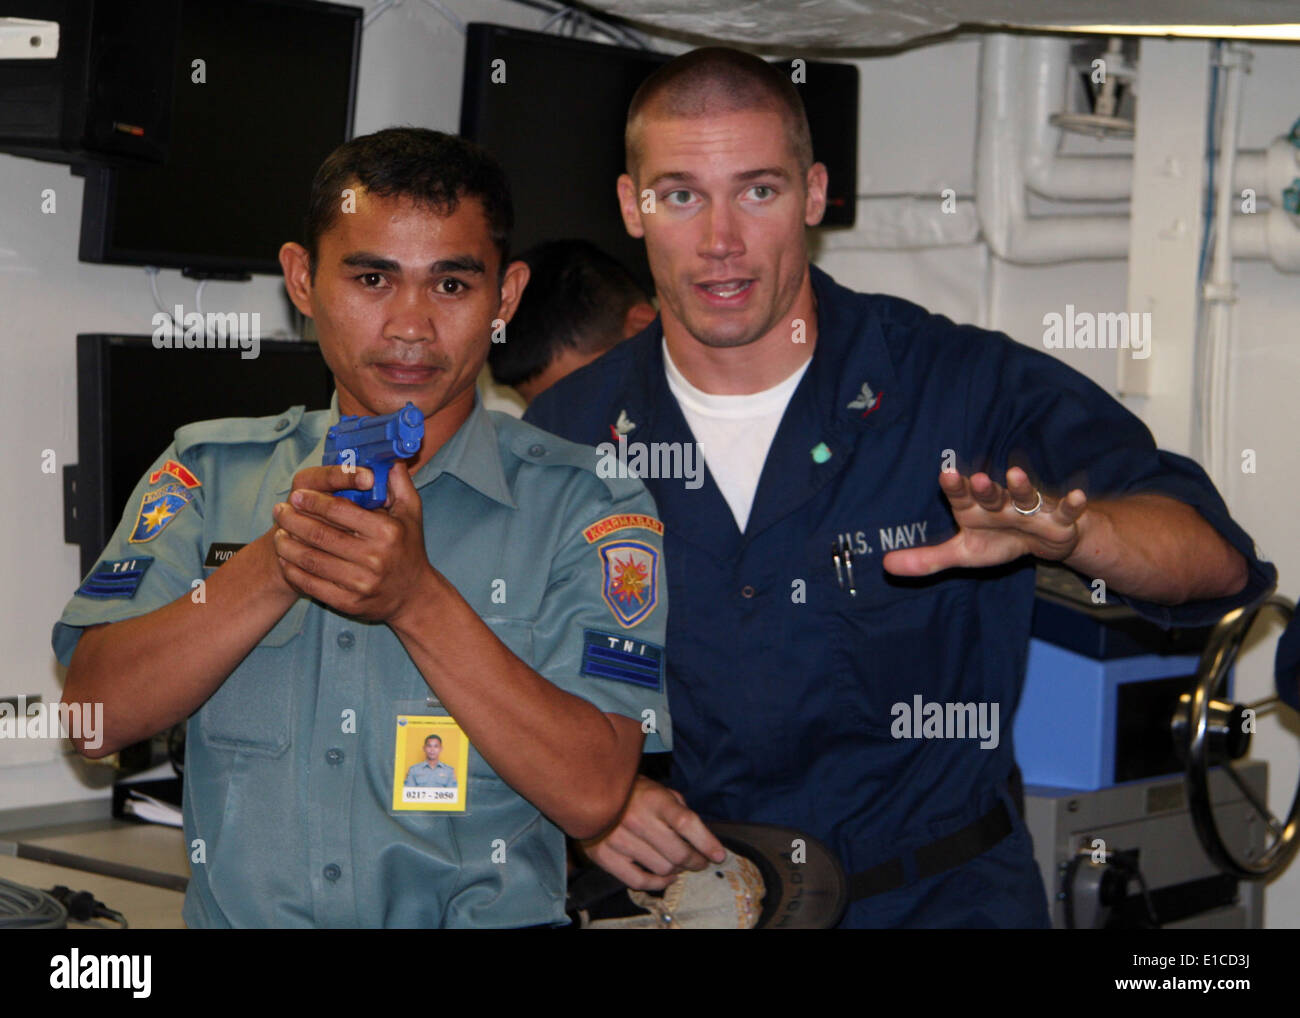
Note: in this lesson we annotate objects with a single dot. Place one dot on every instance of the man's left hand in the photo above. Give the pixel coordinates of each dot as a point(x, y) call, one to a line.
point(990, 531)
point(367, 563)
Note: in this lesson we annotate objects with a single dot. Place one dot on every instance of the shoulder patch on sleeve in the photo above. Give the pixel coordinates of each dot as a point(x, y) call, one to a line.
point(629, 580)
point(158, 508)
point(116, 578)
point(622, 521)
point(176, 470)
point(622, 659)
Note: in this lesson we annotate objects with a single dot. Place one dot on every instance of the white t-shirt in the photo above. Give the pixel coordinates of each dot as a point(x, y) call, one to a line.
point(734, 432)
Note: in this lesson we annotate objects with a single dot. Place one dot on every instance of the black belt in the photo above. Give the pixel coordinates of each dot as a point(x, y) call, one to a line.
point(948, 852)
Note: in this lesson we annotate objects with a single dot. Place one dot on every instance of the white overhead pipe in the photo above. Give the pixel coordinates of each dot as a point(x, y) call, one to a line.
point(1274, 235)
point(1046, 65)
point(1012, 234)
point(1220, 292)
point(1022, 82)
point(1267, 172)
point(1047, 89)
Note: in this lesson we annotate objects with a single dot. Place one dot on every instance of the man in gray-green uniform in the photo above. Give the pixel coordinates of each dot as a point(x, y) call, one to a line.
point(505, 592)
point(430, 772)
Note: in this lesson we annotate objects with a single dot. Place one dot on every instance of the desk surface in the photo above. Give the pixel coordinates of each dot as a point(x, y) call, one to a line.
point(148, 845)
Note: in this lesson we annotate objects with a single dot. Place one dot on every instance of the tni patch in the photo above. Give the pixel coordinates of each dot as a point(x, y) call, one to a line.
point(608, 656)
point(118, 578)
point(630, 581)
point(157, 509)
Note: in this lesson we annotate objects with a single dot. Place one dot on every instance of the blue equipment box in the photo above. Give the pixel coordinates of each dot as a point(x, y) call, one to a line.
point(1101, 685)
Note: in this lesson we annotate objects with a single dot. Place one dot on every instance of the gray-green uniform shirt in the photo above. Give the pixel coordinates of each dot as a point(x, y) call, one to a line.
point(290, 764)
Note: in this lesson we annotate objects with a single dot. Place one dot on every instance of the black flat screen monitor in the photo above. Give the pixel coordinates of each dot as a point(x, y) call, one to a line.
point(277, 96)
point(131, 398)
point(556, 124)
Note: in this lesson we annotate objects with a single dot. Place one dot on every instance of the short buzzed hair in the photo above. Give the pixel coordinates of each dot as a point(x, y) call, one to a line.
point(717, 80)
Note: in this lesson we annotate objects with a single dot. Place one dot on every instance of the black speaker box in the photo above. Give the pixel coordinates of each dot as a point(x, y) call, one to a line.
point(107, 97)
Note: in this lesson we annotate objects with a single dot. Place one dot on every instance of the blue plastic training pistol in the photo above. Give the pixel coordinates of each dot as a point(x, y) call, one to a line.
point(374, 442)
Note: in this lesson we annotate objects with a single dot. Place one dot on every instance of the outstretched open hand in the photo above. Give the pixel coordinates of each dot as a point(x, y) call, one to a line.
point(989, 529)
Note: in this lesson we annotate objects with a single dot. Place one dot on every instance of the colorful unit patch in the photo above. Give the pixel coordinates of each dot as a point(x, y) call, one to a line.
point(177, 471)
point(120, 578)
point(630, 583)
point(607, 526)
point(607, 656)
point(158, 508)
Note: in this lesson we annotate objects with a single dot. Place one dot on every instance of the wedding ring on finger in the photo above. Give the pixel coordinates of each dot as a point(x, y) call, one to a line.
point(1029, 512)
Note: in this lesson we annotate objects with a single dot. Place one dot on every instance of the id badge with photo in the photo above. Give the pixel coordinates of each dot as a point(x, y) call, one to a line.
point(430, 761)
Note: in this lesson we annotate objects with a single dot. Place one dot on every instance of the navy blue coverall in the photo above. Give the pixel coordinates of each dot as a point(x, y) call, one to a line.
point(782, 684)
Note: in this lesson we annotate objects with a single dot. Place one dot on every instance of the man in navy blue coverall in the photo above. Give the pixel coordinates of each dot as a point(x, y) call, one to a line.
point(880, 483)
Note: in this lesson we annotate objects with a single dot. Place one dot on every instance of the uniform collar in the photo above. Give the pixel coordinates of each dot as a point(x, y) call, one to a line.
point(472, 455)
point(849, 392)
point(850, 354)
point(649, 384)
point(852, 377)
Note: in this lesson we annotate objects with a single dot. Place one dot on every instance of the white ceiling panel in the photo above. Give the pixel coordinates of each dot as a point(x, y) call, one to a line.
point(852, 24)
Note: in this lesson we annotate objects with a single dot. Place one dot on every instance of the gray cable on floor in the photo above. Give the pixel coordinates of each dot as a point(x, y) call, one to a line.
point(26, 908)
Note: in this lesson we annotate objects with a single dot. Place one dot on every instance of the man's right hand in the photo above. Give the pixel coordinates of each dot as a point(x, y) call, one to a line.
point(334, 478)
point(656, 838)
point(327, 479)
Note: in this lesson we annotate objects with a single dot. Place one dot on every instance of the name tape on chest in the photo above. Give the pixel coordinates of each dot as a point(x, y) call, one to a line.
point(609, 656)
point(219, 554)
point(116, 578)
point(914, 534)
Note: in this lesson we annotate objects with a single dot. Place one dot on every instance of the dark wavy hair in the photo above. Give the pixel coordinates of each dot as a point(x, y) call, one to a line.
point(433, 169)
